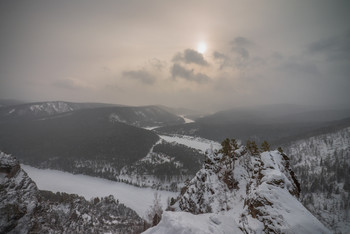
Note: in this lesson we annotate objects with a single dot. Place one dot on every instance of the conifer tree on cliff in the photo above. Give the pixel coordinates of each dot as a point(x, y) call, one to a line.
point(265, 146)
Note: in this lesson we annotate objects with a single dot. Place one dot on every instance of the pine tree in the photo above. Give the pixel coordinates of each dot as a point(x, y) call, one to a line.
point(227, 151)
point(156, 219)
point(226, 147)
point(255, 149)
point(265, 146)
point(234, 144)
point(280, 150)
point(248, 145)
point(252, 147)
point(154, 214)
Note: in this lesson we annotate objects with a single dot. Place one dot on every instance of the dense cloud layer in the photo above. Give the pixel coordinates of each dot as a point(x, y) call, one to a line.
point(258, 52)
point(190, 56)
point(179, 71)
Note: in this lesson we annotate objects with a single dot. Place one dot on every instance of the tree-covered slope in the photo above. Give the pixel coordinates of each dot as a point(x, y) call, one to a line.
point(322, 164)
point(82, 135)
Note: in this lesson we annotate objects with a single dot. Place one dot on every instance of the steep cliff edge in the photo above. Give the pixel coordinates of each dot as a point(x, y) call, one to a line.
point(245, 191)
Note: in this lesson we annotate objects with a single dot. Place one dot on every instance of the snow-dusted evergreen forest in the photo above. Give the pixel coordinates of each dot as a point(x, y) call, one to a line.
point(322, 164)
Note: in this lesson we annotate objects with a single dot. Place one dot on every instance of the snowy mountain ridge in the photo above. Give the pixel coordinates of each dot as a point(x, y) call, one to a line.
point(257, 192)
point(139, 116)
point(40, 109)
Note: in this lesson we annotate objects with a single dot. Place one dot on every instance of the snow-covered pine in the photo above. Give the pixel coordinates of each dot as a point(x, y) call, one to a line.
point(154, 213)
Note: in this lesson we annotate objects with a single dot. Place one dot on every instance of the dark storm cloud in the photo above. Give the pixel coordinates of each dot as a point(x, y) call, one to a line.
point(190, 56)
point(240, 46)
point(334, 48)
point(179, 71)
point(241, 42)
point(218, 55)
point(224, 60)
point(240, 57)
point(140, 75)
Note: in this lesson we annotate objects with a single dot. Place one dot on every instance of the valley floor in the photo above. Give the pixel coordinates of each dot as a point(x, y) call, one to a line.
point(138, 199)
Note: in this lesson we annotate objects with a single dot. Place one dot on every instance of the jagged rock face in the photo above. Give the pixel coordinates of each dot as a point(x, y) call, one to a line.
point(221, 178)
point(260, 191)
point(25, 209)
point(271, 177)
point(69, 213)
point(18, 197)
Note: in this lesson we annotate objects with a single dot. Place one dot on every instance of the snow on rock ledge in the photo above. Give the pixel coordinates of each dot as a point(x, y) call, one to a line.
point(259, 193)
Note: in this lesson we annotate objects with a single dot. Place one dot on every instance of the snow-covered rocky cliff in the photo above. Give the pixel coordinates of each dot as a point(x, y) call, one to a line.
point(25, 209)
point(241, 193)
point(18, 197)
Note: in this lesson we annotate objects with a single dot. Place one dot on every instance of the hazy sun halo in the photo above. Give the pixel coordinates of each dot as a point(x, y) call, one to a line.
point(201, 47)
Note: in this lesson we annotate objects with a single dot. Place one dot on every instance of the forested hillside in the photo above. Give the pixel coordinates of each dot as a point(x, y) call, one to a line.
point(322, 164)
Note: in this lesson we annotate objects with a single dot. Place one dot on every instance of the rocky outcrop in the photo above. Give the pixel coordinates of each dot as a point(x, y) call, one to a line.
point(260, 192)
point(25, 209)
point(18, 197)
point(70, 213)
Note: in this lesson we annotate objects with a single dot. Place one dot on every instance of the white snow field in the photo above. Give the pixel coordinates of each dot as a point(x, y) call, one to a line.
point(187, 120)
point(225, 223)
point(199, 143)
point(138, 199)
point(183, 222)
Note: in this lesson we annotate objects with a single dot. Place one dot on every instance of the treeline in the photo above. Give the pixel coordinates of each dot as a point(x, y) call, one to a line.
point(191, 158)
point(230, 145)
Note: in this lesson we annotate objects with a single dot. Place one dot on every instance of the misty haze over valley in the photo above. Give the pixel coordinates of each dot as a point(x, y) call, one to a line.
point(174, 117)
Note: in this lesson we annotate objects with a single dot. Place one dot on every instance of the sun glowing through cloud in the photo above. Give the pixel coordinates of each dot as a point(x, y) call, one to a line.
point(202, 47)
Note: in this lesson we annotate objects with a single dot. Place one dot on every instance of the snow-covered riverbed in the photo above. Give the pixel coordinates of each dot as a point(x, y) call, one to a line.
point(138, 199)
point(201, 144)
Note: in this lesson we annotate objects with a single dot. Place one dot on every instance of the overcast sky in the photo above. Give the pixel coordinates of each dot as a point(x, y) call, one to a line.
point(206, 55)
